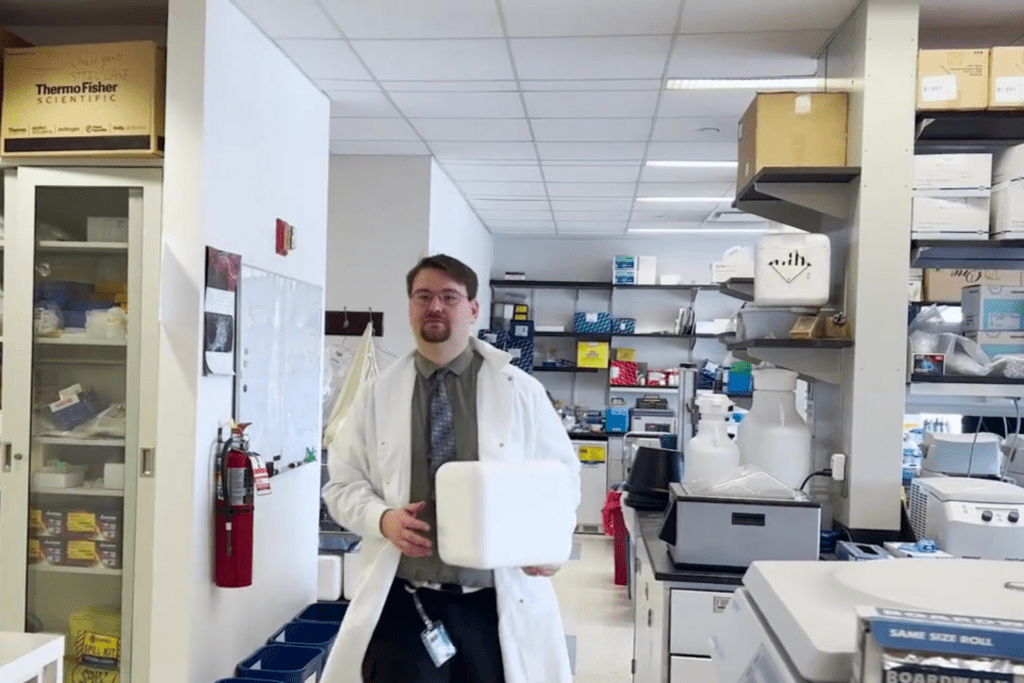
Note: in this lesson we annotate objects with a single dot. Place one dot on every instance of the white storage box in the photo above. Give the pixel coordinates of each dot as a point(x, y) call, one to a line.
point(968, 172)
point(113, 475)
point(792, 269)
point(647, 273)
point(1009, 165)
point(328, 578)
point(951, 218)
point(106, 229)
point(66, 477)
point(993, 309)
point(999, 343)
point(502, 515)
point(1008, 210)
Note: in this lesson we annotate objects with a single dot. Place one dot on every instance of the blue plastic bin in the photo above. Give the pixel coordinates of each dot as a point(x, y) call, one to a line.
point(283, 663)
point(312, 633)
point(331, 612)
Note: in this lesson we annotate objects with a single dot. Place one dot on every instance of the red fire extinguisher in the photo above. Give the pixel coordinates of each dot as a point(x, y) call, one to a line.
point(235, 512)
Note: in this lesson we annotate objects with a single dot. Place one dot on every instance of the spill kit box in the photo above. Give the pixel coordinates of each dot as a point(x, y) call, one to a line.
point(84, 100)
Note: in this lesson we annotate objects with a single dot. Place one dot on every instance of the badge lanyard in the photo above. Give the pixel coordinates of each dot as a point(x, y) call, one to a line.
point(435, 638)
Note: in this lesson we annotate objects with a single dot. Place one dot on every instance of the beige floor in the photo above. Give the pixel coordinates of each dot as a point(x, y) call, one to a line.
point(597, 613)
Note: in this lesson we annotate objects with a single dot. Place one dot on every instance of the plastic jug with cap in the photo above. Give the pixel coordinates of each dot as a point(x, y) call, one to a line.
point(773, 436)
point(711, 455)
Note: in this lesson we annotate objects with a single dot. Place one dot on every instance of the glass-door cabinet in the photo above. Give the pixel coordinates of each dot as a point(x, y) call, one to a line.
point(77, 460)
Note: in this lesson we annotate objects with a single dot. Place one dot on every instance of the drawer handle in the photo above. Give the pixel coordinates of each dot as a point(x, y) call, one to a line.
point(650, 618)
point(747, 519)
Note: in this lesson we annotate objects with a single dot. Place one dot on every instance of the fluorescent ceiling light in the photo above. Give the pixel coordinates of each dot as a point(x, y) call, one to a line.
point(706, 231)
point(688, 200)
point(792, 83)
point(693, 164)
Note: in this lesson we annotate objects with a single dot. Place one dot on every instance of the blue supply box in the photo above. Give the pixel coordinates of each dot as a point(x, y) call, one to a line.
point(520, 329)
point(522, 351)
point(616, 420)
point(496, 338)
point(592, 323)
point(624, 326)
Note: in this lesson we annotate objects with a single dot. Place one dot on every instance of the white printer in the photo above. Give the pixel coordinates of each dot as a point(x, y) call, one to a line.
point(795, 622)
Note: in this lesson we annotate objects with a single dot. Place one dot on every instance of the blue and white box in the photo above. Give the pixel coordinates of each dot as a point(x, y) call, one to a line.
point(993, 308)
point(624, 263)
point(496, 338)
point(521, 329)
point(592, 323)
point(624, 277)
point(624, 326)
point(616, 420)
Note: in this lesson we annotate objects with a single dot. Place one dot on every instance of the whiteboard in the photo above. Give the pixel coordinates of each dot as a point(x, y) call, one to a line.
point(280, 361)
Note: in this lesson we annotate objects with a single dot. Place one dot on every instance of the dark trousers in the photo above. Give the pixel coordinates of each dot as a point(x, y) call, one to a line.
point(397, 654)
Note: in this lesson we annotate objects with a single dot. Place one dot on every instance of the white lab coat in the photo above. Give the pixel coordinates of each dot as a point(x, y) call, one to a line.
point(370, 468)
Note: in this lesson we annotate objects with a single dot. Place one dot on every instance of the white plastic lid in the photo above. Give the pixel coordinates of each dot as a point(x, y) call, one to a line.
point(713, 405)
point(774, 379)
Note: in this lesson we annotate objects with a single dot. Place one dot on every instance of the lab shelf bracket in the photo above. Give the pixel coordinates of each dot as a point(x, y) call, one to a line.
point(799, 197)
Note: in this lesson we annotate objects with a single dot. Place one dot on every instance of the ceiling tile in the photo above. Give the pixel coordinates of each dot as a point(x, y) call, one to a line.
point(581, 105)
point(684, 151)
point(592, 216)
point(695, 129)
point(688, 175)
point(595, 204)
point(509, 204)
point(589, 17)
point(747, 55)
point(570, 151)
point(599, 227)
point(474, 188)
point(436, 60)
point(361, 104)
point(665, 225)
point(533, 232)
point(509, 130)
point(594, 84)
point(597, 130)
point(520, 225)
point(952, 14)
point(730, 104)
point(672, 214)
point(505, 172)
point(568, 58)
point(371, 129)
point(967, 38)
point(778, 15)
point(516, 216)
point(450, 86)
point(385, 148)
point(460, 105)
point(591, 189)
point(294, 19)
point(484, 150)
point(554, 173)
point(329, 84)
point(415, 18)
point(325, 59)
point(683, 189)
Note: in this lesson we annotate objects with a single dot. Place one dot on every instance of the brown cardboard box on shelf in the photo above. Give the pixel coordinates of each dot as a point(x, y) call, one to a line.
point(8, 39)
point(105, 99)
point(1006, 78)
point(952, 80)
point(944, 286)
point(792, 129)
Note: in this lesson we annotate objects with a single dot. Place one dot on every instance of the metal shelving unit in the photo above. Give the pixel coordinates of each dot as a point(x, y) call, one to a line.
point(799, 196)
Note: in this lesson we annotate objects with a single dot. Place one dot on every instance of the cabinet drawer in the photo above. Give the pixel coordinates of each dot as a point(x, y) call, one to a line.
point(691, 670)
point(691, 618)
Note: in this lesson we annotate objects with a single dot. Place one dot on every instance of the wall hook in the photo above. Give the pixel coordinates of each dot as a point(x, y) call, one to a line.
point(344, 310)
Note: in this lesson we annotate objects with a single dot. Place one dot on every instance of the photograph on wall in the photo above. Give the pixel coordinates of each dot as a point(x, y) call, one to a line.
point(222, 274)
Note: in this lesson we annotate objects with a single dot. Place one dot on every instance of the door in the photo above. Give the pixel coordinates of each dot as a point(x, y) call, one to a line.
point(80, 314)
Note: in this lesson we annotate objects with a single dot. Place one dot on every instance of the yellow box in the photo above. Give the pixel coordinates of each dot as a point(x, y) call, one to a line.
point(1006, 78)
point(592, 453)
point(789, 129)
point(626, 355)
point(105, 99)
point(952, 80)
point(592, 354)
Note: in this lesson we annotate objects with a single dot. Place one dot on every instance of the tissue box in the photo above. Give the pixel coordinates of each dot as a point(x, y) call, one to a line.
point(993, 309)
point(623, 325)
point(483, 524)
point(592, 323)
point(999, 343)
point(624, 374)
point(592, 354)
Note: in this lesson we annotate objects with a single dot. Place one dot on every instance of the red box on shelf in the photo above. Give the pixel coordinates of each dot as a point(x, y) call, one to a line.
point(624, 373)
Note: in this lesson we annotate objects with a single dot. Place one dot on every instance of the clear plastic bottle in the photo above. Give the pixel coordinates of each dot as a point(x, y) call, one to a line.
point(711, 455)
point(773, 436)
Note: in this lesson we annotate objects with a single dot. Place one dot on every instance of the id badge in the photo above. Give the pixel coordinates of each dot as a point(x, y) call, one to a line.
point(438, 643)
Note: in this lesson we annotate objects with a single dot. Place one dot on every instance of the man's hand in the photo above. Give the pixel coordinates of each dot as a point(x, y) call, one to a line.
point(400, 527)
point(545, 572)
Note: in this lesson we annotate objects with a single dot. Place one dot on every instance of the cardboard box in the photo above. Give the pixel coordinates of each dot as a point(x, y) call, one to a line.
point(624, 373)
point(951, 218)
point(592, 354)
point(945, 286)
point(624, 354)
point(952, 80)
point(1006, 78)
point(103, 99)
point(999, 343)
point(993, 309)
point(792, 130)
point(961, 172)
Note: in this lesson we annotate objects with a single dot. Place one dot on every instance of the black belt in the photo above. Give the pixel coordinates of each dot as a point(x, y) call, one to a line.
point(450, 588)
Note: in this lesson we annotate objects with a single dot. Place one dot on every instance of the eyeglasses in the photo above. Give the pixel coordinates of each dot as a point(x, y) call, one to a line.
point(448, 297)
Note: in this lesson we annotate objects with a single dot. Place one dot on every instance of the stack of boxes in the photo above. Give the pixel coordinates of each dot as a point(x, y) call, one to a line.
point(520, 345)
point(970, 80)
point(952, 196)
point(75, 536)
point(994, 318)
point(1008, 195)
point(635, 270)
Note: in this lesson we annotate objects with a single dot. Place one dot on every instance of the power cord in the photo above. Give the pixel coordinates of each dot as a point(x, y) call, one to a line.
point(820, 473)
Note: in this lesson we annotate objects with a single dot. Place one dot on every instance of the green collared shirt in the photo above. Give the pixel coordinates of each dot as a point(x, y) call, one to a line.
point(461, 387)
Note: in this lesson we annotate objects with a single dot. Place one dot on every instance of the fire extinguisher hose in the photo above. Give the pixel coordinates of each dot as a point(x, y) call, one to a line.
point(225, 493)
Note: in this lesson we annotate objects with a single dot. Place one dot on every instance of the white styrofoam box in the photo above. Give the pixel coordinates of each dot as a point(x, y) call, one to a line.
point(113, 475)
point(351, 572)
point(647, 272)
point(102, 229)
point(951, 215)
point(502, 515)
point(328, 577)
point(693, 615)
point(65, 477)
point(999, 343)
point(1009, 165)
point(952, 172)
point(792, 269)
point(993, 309)
point(1008, 210)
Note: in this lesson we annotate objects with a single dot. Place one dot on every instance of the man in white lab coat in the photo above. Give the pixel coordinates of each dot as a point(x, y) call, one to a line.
point(454, 398)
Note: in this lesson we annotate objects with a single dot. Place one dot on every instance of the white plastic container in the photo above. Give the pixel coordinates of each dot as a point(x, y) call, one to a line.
point(711, 455)
point(117, 323)
point(792, 269)
point(328, 577)
point(502, 515)
point(773, 436)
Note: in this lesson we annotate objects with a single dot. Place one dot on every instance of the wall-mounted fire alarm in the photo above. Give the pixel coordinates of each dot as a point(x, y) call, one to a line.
point(285, 241)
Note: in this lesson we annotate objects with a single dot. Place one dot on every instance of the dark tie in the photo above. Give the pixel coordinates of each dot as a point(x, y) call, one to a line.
point(442, 423)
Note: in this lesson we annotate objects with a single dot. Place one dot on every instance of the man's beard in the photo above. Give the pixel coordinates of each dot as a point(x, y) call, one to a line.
point(435, 334)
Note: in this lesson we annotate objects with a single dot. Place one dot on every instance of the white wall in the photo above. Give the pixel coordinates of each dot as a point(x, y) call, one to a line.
point(247, 143)
point(455, 230)
point(379, 224)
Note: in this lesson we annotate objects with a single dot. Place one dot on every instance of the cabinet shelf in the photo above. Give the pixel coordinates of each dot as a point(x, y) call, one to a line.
point(813, 359)
point(89, 571)
point(974, 254)
point(956, 130)
point(80, 340)
point(541, 368)
point(549, 284)
point(644, 390)
point(54, 246)
point(950, 394)
point(71, 441)
point(799, 197)
point(78, 491)
point(678, 288)
point(579, 336)
point(741, 288)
